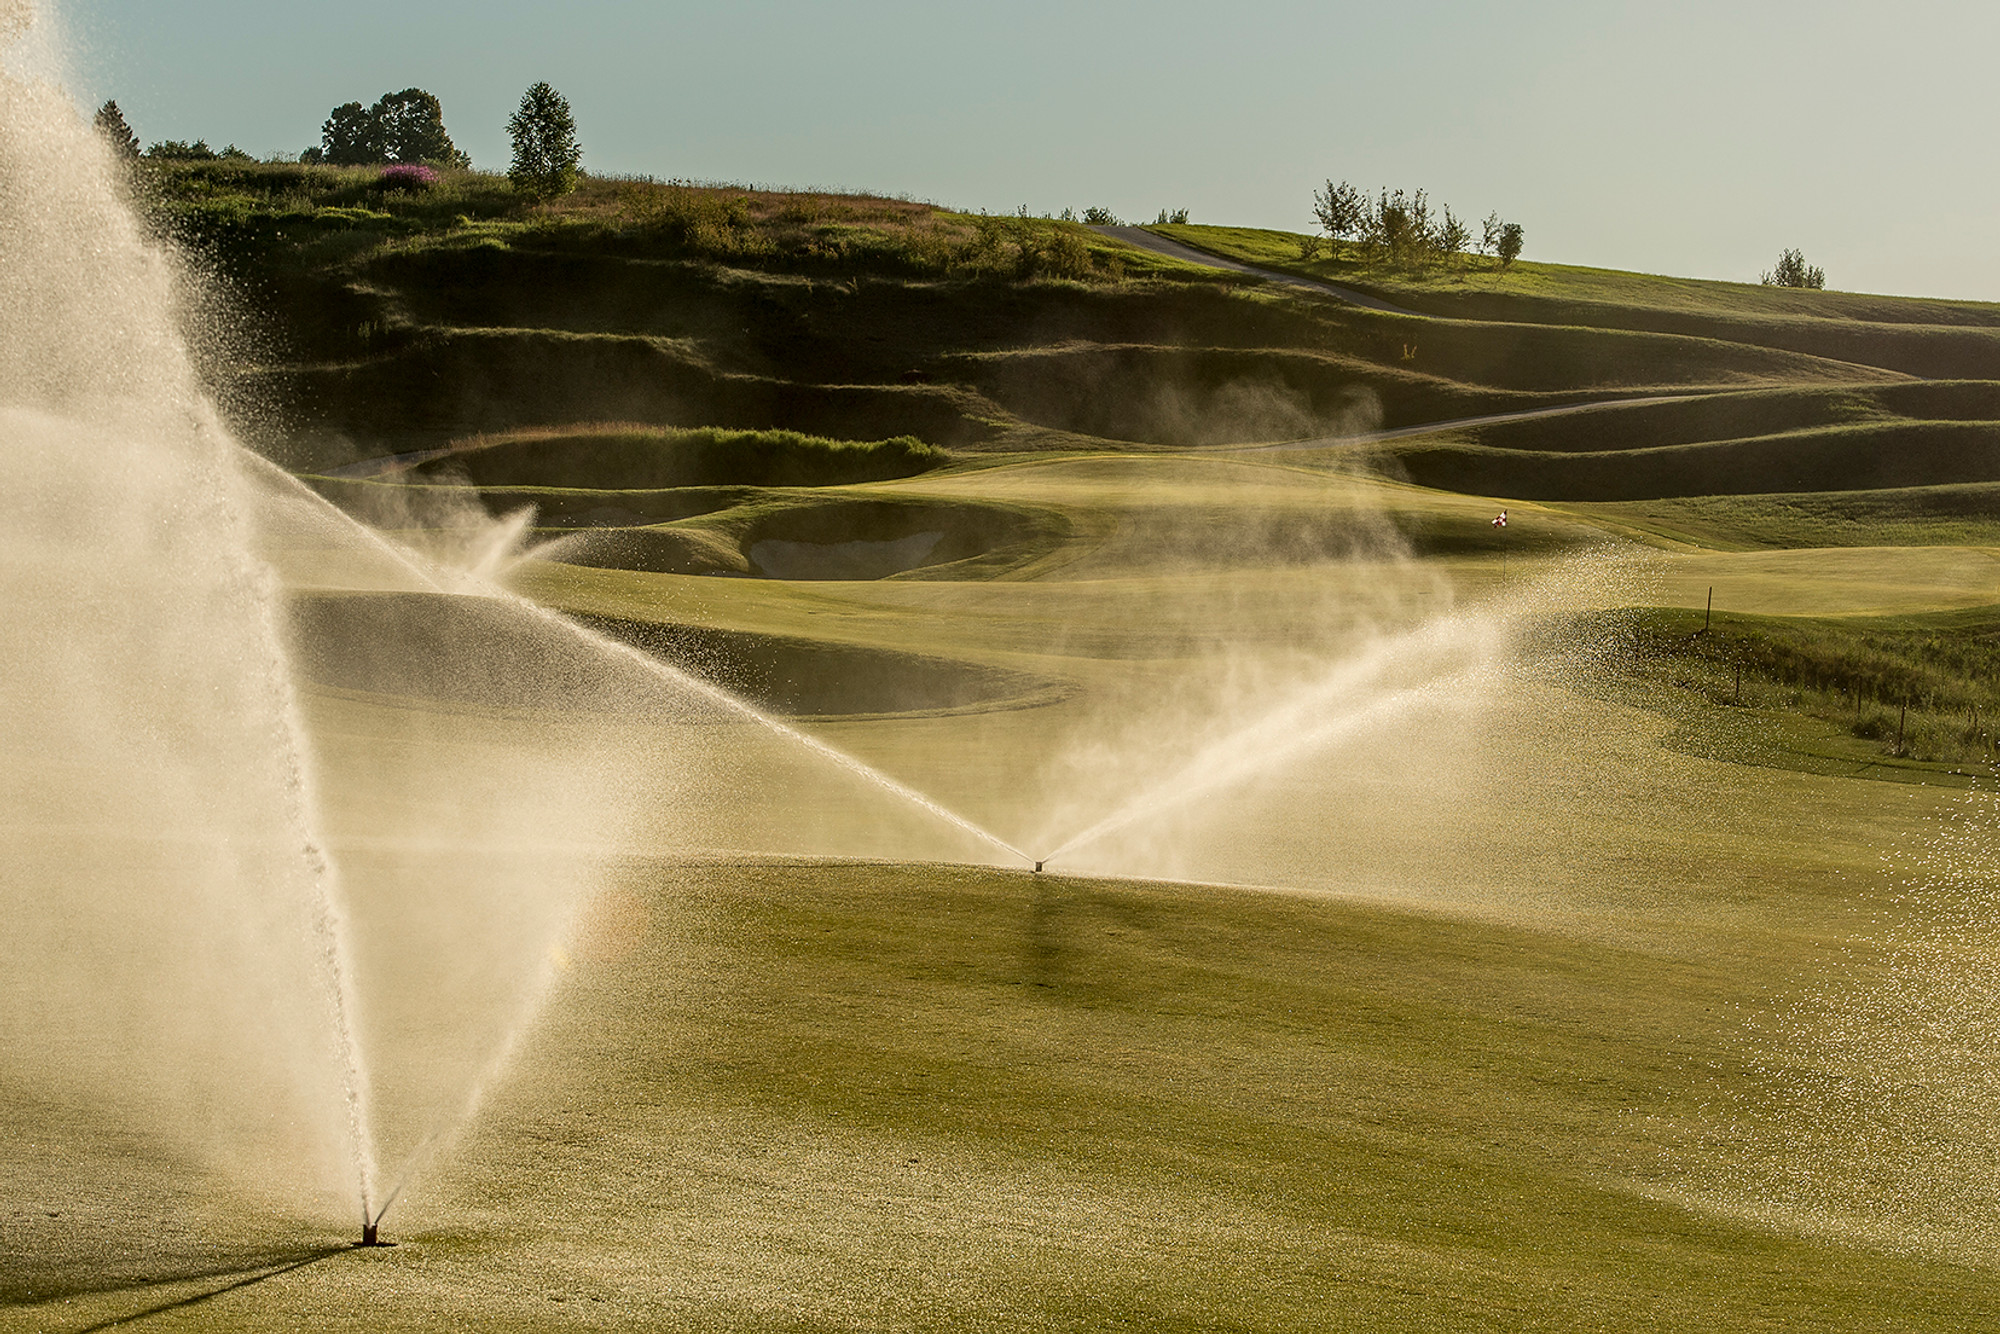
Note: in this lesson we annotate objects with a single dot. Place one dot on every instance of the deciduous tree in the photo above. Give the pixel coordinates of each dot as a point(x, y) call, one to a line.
point(412, 129)
point(1342, 210)
point(351, 136)
point(400, 127)
point(546, 152)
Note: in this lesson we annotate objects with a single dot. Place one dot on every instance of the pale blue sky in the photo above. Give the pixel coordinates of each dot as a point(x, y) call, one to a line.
point(1690, 138)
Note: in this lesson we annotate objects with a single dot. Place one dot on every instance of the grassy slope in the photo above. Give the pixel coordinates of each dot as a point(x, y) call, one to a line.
point(1919, 336)
point(402, 322)
point(1168, 554)
point(1856, 436)
point(1920, 516)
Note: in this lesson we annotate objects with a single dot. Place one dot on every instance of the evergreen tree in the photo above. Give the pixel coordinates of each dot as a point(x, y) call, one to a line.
point(111, 124)
point(546, 152)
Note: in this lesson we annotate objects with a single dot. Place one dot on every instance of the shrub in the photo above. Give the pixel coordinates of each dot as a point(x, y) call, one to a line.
point(1179, 215)
point(406, 178)
point(1401, 227)
point(1874, 727)
point(1100, 217)
point(1793, 271)
point(1057, 254)
point(175, 150)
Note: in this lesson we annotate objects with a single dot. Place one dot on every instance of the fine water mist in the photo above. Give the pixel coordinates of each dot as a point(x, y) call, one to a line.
point(177, 943)
point(262, 914)
point(1437, 667)
point(305, 815)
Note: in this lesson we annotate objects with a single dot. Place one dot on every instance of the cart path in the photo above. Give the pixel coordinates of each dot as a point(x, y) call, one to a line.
point(1160, 245)
point(1457, 423)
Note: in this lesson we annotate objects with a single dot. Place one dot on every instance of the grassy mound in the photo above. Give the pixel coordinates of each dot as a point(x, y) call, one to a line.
point(808, 678)
point(1916, 336)
point(1834, 458)
point(456, 382)
point(1180, 396)
point(1389, 371)
point(639, 459)
point(465, 651)
point(1907, 517)
point(830, 536)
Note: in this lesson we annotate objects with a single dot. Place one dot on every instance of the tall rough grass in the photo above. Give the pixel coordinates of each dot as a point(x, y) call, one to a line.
point(244, 205)
point(814, 229)
point(1920, 691)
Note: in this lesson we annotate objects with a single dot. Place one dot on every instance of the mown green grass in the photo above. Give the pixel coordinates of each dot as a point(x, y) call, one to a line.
point(1350, 263)
point(1913, 516)
point(831, 1094)
point(822, 1096)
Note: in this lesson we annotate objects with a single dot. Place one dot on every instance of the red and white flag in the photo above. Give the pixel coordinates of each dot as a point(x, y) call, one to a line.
point(1501, 522)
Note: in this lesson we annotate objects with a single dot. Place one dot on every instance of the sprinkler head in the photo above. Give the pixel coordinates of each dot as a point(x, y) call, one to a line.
point(371, 1235)
point(1038, 868)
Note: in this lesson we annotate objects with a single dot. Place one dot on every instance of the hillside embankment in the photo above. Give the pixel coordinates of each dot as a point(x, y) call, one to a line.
point(404, 322)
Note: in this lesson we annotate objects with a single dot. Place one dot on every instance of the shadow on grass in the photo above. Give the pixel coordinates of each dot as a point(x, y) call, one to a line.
point(240, 1275)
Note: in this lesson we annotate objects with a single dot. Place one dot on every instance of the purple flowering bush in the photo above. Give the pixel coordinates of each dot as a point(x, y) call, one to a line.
point(409, 177)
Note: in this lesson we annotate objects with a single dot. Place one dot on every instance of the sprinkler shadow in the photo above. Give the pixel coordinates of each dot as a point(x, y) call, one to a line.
point(241, 1275)
point(1052, 941)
